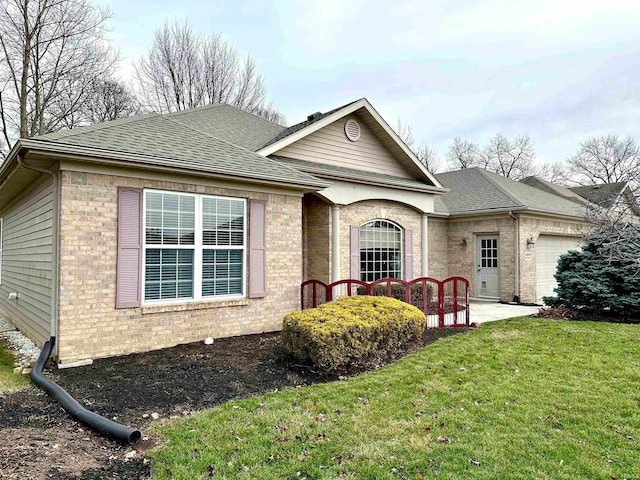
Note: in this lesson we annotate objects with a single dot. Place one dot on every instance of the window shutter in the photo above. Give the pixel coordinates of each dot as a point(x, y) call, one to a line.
point(257, 249)
point(354, 254)
point(129, 263)
point(408, 255)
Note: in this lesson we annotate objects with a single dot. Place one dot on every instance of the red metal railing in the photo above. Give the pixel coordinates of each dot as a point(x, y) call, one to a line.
point(444, 302)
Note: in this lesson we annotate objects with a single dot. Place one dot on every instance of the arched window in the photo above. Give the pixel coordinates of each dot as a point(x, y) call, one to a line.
point(380, 250)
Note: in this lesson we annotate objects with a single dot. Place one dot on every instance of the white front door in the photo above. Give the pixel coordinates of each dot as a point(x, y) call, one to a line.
point(487, 270)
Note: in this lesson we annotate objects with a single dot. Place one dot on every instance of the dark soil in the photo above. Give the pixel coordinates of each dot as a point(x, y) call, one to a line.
point(567, 313)
point(40, 441)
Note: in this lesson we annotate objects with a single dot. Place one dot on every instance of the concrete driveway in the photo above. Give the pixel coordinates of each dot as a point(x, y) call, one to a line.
point(488, 311)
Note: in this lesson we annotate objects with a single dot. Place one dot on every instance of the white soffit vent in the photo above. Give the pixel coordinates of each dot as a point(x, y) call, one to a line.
point(352, 130)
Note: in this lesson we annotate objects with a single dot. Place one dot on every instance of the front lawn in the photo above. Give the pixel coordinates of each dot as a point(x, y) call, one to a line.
point(521, 398)
point(9, 381)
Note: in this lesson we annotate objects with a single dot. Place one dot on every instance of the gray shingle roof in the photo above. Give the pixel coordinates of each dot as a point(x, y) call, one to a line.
point(360, 176)
point(547, 186)
point(231, 124)
point(299, 126)
point(604, 195)
point(187, 140)
point(475, 190)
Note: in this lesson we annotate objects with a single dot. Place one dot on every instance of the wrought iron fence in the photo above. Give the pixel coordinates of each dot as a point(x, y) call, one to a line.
point(444, 302)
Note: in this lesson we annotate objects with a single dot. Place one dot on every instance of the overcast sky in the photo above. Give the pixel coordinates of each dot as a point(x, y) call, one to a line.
point(560, 71)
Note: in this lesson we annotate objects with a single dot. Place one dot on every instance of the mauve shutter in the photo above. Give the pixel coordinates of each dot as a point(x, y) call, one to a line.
point(354, 253)
point(129, 264)
point(257, 249)
point(408, 255)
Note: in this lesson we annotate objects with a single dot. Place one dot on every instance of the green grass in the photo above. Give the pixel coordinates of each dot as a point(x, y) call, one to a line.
point(520, 399)
point(9, 381)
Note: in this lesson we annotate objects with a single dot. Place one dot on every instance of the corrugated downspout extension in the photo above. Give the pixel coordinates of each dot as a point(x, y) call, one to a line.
point(99, 423)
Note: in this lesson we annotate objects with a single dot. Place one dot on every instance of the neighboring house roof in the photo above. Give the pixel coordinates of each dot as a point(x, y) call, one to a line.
point(610, 195)
point(476, 191)
point(604, 195)
point(186, 140)
point(371, 118)
point(560, 190)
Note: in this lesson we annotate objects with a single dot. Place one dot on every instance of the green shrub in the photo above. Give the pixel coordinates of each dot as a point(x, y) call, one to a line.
point(599, 279)
point(350, 329)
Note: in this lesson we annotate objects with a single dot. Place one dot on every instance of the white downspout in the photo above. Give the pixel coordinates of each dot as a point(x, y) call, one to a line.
point(517, 255)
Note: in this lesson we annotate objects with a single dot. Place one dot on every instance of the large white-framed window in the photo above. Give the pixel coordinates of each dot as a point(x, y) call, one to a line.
point(380, 250)
point(194, 247)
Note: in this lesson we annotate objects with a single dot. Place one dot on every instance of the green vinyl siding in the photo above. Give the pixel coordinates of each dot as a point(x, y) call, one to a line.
point(27, 260)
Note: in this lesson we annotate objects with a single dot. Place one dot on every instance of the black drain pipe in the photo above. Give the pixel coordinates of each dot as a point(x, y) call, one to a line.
point(72, 407)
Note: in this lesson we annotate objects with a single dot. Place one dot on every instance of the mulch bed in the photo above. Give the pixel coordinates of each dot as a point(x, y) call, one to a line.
point(40, 441)
point(566, 313)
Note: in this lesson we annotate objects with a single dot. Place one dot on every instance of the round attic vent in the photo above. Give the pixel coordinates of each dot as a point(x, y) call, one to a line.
point(352, 130)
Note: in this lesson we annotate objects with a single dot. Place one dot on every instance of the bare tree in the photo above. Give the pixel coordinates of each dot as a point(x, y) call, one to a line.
point(513, 159)
point(606, 159)
point(405, 132)
point(185, 70)
point(617, 231)
point(554, 172)
point(109, 100)
point(463, 154)
point(50, 53)
point(428, 157)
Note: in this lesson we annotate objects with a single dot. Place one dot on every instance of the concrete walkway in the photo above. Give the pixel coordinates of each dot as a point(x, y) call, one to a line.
point(488, 311)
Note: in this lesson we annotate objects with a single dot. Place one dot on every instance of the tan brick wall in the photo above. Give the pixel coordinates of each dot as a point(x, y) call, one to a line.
point(438, 235)
point(360, 212)
point(316, 234)
point(533, 227)
point(91, 327)
point(462, 260)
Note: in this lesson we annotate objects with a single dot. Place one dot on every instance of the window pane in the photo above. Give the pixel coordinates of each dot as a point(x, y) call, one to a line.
point(168, 274)
point(222, 222)
point(221, 272)
point(380, 250)
point(170, 219)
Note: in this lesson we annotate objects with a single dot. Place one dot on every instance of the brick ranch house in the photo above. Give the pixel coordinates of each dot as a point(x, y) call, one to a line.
point(156, 230)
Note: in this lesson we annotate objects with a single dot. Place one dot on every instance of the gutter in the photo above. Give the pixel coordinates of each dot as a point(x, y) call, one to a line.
point(55, 231)
point(516, 290)
point(150, 162)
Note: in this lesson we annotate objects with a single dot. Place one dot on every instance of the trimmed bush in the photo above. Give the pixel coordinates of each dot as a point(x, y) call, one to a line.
point(351, 329)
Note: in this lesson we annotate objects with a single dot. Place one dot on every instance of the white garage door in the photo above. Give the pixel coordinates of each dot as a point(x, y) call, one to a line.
point(548, 250)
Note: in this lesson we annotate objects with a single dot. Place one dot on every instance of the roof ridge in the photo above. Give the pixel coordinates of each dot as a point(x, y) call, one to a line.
point(93, 127)
point(214, 105)
point(487, 175)
point(192, 109)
